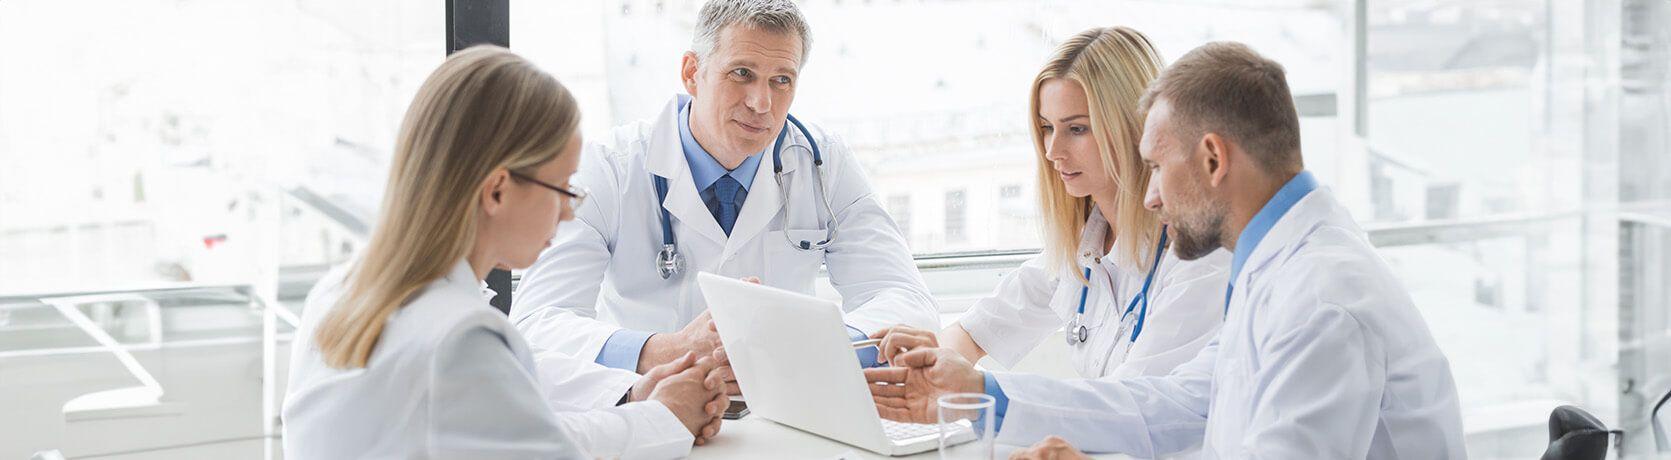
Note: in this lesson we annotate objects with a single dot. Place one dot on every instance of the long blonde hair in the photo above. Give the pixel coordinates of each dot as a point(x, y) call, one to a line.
point(483, 109)
point(1114, 65)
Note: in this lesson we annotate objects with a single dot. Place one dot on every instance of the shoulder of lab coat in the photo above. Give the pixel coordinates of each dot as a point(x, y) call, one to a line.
point(1185, 314)
point(555, 305)
point(447, 363)
point(869, 262)
point(1018, 314)
point(483, 401)
point(1328, 305)
point(579, 400)
point(1146, 416)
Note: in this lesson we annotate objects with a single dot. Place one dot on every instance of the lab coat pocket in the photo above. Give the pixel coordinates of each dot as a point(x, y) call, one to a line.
point(787, 265)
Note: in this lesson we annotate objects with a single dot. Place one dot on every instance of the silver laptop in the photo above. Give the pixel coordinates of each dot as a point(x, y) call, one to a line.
point(796, 366)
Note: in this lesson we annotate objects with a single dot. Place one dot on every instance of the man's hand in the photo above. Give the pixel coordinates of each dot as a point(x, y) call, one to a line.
point(908, 391)
point(901, 338)
point(692, 396)
point(725, 373)
point(698, 337)
point(1051, 448)
point(716, 380)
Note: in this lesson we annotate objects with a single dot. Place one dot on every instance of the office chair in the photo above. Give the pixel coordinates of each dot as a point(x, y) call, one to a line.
point(500, 282)
point(1576, 435)
point(1661, 443)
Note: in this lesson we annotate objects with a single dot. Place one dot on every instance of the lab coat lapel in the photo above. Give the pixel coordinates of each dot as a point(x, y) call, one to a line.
point(666, 158)
point(764, 201)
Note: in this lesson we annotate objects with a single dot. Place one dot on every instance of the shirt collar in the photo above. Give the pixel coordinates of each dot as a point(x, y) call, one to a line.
point(1285, 198)
point(463, 277)
point(704, 169)
point(1090, 239)
point(1090, 244)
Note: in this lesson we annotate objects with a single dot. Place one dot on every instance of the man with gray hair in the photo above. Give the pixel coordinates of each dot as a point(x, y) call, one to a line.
point(1322, 353)
point(723, 181)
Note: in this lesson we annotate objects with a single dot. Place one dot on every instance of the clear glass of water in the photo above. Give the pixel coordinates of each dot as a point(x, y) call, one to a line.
point(973, 408)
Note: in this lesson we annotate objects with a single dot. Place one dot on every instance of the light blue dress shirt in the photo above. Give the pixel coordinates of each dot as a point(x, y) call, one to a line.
point(1301, 185)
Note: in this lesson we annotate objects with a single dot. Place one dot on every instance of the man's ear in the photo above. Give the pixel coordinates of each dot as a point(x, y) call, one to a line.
point(493, 191)
point(687, 71)
point(1215, 157)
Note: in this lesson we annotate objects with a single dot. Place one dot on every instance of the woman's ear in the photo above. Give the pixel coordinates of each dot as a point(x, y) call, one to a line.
point(493, 191)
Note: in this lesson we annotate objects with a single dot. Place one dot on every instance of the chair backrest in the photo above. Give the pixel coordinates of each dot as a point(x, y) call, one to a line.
point(500, 282)
point(1662, 437)
point(1575, 435)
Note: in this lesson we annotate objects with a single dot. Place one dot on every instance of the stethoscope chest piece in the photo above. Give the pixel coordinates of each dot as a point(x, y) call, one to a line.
point(669, 262)
point(1077, 333)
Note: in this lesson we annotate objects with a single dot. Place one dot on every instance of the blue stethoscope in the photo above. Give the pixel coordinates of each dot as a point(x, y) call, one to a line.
point(1078, 333)
point(670, 263)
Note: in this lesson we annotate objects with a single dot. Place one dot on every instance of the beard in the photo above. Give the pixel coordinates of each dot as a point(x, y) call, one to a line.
point(1200, 234)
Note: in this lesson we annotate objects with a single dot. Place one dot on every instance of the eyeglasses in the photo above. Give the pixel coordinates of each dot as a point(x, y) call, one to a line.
point(574, 192)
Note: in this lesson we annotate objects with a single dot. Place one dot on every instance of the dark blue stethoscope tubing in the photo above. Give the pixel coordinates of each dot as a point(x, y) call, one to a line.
point(1084, 291)
point(667, 237)
point(666, 220)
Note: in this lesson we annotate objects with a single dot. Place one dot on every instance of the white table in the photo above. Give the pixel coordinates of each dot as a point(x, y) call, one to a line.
point(756, 437)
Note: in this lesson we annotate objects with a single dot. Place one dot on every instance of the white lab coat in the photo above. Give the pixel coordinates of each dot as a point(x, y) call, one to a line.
point(1323, 355)
point(1036, 299)
point(450, 378)
point(600, 273)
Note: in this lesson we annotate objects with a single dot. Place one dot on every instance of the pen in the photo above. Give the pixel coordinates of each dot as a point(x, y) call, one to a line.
point(866, 343)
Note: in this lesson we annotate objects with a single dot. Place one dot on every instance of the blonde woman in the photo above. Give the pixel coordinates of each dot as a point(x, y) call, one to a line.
point(1126, 305)
point(399, 354)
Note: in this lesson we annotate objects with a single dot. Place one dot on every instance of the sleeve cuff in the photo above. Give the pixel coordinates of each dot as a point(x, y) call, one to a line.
point(622, 349)
point(1000, 403)
point(867, 355)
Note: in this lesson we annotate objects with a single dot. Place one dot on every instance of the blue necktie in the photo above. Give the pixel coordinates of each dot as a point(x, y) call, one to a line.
point(725, 192)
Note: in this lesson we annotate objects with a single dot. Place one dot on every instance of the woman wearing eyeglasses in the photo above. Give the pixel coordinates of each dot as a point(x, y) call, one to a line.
point(399, 354)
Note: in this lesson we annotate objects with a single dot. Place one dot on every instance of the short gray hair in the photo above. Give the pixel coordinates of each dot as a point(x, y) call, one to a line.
point(779, 16)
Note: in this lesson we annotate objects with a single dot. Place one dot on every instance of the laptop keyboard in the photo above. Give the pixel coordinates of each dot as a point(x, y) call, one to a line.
point(901, 431)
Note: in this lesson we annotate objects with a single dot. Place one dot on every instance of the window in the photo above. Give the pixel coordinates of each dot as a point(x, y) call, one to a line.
point(899, 206)
point(918, 129)
point(1009, 192)
point(146, 143)
point(1017, 213)
point(1477, 165)
point(955, 217)
point(1508, 158)
point(158, 141)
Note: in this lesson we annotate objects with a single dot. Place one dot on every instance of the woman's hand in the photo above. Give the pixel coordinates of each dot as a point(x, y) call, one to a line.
point(900, 339)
